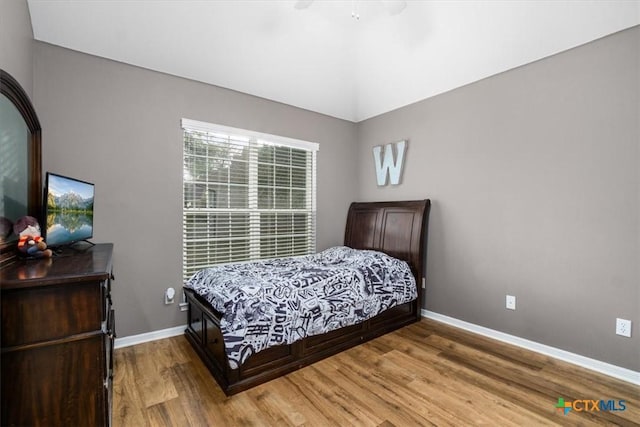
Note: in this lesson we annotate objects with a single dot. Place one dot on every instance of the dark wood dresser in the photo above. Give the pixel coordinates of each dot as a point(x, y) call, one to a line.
point(57, 340)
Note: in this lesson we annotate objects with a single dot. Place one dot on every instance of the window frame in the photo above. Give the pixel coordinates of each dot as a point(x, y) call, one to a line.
point(254, 140)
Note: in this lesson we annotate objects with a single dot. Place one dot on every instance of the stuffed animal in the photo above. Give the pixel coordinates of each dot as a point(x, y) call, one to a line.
point(31, 243)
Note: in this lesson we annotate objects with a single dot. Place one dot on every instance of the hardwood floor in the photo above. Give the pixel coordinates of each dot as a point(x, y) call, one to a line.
point(424, 374)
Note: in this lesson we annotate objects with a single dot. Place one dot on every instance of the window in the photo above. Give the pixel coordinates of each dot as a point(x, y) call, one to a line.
point(246, 196)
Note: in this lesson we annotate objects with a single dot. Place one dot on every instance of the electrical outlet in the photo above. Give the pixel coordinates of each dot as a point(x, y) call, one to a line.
point(623, 327)
point(511, 302)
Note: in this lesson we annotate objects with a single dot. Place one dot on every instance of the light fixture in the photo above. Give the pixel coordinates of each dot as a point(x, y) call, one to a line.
point(355, 14)
point(393, 7)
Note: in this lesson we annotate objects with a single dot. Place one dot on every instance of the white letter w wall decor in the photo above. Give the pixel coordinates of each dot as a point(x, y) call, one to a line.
point(389, 166)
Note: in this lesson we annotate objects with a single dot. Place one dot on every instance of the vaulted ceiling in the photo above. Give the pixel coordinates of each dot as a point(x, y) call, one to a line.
point(321, 58)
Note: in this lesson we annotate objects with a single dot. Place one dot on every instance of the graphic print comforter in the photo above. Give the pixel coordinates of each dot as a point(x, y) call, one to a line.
point(268, 303)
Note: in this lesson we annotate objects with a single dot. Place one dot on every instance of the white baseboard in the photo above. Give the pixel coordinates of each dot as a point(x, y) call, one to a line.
point(149, 336)
point(585, 362)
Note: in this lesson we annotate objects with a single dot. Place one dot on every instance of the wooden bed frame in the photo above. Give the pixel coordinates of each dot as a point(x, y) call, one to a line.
point(396, 228)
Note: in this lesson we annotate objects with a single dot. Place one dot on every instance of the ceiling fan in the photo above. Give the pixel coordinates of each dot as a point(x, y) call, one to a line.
point(393, 7)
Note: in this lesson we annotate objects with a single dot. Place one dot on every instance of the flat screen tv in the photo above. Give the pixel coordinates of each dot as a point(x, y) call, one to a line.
point(68, 210)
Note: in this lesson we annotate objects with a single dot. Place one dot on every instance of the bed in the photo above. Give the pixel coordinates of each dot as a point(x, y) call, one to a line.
point(397, 229)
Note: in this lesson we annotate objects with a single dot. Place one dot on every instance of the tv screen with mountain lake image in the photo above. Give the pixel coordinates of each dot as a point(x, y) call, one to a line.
point(68, 210)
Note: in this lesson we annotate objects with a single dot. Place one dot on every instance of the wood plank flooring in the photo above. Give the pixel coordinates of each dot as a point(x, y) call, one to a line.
point(424, 374)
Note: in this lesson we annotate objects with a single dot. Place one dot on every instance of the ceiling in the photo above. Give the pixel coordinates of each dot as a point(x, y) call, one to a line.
point(322, 59)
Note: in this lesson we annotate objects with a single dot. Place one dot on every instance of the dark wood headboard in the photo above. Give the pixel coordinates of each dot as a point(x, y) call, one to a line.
point(395, 228)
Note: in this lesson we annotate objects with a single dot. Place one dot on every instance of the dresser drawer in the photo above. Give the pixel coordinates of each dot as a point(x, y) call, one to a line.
point(106, 297)
point(54, 385)
point(38, 314)
point(109, 339)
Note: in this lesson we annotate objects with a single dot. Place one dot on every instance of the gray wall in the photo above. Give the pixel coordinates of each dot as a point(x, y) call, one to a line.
point(16, 42)
point(533, 175)
point(119, 126)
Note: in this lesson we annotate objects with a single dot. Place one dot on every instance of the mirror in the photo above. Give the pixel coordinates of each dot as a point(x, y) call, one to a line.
point(20, 159)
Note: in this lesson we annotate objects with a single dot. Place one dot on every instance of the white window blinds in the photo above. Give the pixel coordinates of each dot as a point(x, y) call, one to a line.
point(246, 196)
